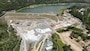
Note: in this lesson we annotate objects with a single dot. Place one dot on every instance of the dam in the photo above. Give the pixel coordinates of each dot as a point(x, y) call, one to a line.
point(30, 16)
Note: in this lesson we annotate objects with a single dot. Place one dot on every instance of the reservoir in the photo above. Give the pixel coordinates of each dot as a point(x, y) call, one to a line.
point(46, 9)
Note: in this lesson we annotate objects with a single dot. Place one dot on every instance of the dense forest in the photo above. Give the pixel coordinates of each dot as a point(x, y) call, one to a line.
point(6, 5)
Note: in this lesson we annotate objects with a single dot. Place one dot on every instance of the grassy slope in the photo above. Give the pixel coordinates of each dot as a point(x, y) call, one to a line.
point(57, 42)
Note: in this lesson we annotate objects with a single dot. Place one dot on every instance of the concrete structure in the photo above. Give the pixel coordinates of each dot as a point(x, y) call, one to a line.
point(30, 32)
point(49, 45)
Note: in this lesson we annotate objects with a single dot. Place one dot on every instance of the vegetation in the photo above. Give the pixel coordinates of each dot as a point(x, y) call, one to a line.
point(17, 48)
point(85, 18)
point(40, 46)
point(79, 34)
point(8, 40)
point(58, 45)
point(84, 48)
point(67, 48)
point(3, 32)
point(76, 32)
point(74, 29)
point(69, 28)
point(62, 30)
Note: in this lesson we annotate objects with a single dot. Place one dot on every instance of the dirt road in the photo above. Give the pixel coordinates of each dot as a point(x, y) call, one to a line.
point(66, 40)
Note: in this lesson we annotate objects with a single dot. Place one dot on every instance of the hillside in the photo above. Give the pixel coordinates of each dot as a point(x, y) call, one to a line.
point(85, 17)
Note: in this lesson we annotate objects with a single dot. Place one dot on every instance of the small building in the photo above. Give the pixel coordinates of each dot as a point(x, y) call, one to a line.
point(88, 34)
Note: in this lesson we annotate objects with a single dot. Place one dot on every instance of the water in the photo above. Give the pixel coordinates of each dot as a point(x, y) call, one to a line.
point(46, 9)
